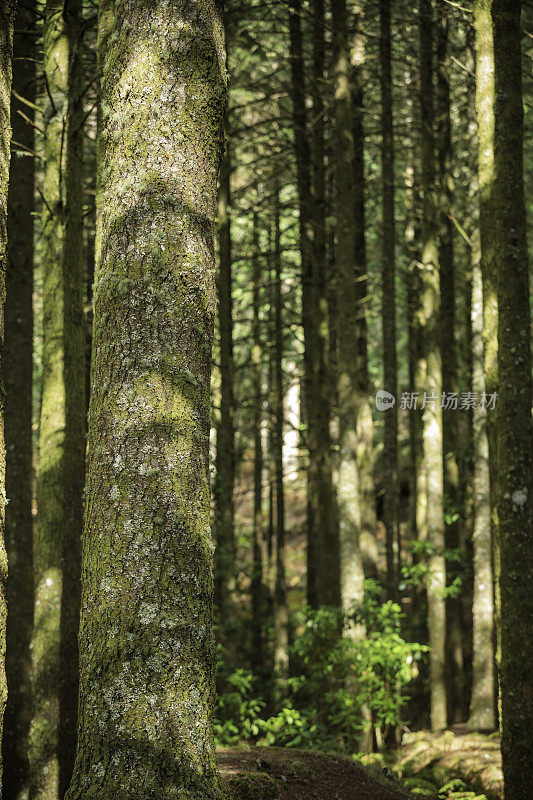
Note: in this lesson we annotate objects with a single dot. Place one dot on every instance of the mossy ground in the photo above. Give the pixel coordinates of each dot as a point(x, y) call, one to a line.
point(269, 773)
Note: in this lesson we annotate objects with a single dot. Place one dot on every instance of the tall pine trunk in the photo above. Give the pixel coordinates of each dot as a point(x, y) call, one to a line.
point(7, 15)
point(515, 430)
point(323, 545)
point(18, 412)
point(388, 315)
point(62, 425)
point(348, 489)
point(430, 380)
point(147, 655)
point(454, 643)
point(225, 450)
point(281, 612)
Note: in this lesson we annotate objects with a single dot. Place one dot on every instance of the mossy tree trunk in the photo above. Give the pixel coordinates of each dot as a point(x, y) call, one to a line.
point(323, 544)
point(7, 15)
point(388, 315)
point(62, 425)
point(515, 430)
point(430, 379)
point(18, 419)
point(147, 656)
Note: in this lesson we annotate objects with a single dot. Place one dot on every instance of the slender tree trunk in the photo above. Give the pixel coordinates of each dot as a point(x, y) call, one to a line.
point(347, 341)
point(323, 547)
point(454, 644)
point(482, 698)
point(225, 456)
point(62, 427)
point(18, 411)
point(390, 446)
point(485, 125)
point(363, 424)
point(146, 642)
point(515, 430)
point(7, 16)
point(430, 380)
point(281, 615)
point(257, 560)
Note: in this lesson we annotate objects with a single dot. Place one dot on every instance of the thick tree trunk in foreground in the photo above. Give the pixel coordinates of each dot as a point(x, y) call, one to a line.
point(323, 546)
point(146, 642)
point(62, 429)
point(18, 377)
point(515, 430)
point(7, 14)
point(430, 380)
point(388, 315)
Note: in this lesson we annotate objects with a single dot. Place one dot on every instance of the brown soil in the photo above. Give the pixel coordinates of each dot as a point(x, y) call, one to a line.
point(263, 773)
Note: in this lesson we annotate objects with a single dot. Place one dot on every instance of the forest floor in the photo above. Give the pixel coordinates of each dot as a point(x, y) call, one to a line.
point(475, 758)
point(425, 762)
point(271, 773)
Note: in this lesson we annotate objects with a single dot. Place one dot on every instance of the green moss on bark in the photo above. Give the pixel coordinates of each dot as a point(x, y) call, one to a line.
point(146, 643)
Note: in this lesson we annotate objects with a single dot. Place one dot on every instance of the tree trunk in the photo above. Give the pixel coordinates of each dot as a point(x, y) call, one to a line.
point(515, 430)
point(18, 411)
point(62, 427)
point(8, 9)
point(485, 126)
point(225, 454)
point(257, 534)
point(281, 614)
point(323, 547)
point(454, 627)
point(146, 643)
point(482, 698)
point(347, 341)
point(430, 380)
point(364, 425)
point(388, 315)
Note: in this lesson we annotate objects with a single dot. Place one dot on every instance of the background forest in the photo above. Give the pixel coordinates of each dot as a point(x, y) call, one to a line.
point(370, 435)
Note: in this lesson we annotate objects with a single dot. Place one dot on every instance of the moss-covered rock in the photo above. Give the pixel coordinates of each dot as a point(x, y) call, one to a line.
point(253, 786)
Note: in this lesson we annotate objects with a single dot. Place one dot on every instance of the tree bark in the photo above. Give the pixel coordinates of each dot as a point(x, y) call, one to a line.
point(147, 655)
point(7, 16)
point(348, 489)
point(388, 314)
point(323, 544)
point(62, 425)
point(515, 429)
point(430, 380)
point(454, 627)
point(18, 411)
point(225, 451)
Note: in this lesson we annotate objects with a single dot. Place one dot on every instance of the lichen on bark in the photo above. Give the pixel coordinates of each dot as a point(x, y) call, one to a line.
point(146, 642)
